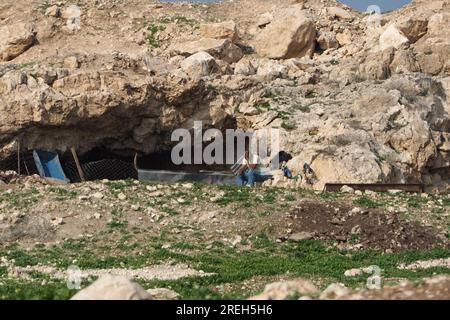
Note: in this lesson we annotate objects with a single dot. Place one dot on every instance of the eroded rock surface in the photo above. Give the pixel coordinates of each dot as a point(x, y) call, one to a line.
point(359, 101)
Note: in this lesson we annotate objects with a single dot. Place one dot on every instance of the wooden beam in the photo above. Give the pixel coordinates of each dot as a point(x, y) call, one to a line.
point(18, 157)
point(77, 163)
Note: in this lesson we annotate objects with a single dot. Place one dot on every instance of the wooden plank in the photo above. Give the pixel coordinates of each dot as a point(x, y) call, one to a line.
point(77, 163)
point(18, 158)
point(378, 187)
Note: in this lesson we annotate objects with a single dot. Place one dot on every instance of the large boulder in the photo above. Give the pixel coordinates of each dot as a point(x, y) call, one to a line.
point(110, 287)
point(246, 67)
point(15, 39)
point(439, 24)
point(221, 30)
point(222, 49)
point(404, 62)
point(291, 34)
point(412, 28)
point(199, 65)
point(432, 56)
point(392, 37)
point(378, 66)
point(339, 13)
point(271, 69)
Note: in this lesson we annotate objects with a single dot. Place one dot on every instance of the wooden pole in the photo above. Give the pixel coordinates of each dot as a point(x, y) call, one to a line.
point(26, 167)
point(77, 162)
point(18, 157)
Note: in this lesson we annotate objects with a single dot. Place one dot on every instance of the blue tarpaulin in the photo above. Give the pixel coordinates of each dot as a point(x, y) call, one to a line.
point(48, 165)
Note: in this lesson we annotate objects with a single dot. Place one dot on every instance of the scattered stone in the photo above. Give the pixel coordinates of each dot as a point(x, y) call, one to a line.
point(15, 39)
point(245, 67)
point(327, 40)
point(222, 49)
point(426, 264)
point(356, 230)
point(247, 109)
point(57, 221)
point(71, 63)
point(199, 65)
point(344, 38)
point(97, 195)
point(271, 69)
point(300, 236)
point(121, 196)
point(53, 11)
point(339, 13)
point(347, 189)
point(237, 240)
point(334, 291)
point(221, 30)
point(353, 272)
point(156, 194)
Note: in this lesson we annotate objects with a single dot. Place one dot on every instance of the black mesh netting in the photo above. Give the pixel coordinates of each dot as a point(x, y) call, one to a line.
point(111, 169)
point(27, 166)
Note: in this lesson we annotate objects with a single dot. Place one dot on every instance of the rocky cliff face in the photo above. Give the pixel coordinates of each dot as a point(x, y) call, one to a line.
point(361, 98)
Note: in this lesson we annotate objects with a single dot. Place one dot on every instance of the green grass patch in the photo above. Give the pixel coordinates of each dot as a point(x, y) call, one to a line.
point(367, 202)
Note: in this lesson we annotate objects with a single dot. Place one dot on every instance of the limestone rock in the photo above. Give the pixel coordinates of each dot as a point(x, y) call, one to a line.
point(163, 294)
point(264, 19)
point(110, 287)
point(392, 37)
point(377, 66)
point(247, 109)
point(71, 12)
point(222, 49)
point(291, 34)
point(245, 67)
point(347, 189)
point(286, 289)
point(404, 62)
point(53, 11)
point(334, 291)
point(344, 38)
point(71, 63)
point(15, 39)
point(271, 69)
point(327, 40)
point(439, 24)
point(339, 13)
point(413, 28)
point(221, 30)
point(199, 65)
point(300, 236)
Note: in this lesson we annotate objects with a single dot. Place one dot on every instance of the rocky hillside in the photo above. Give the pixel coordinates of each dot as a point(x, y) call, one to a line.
point(361, 98)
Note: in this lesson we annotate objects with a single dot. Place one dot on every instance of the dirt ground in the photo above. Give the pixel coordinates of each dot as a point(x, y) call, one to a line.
point(338, 221)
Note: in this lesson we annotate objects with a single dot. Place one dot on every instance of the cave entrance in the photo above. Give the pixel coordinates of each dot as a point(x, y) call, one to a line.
point(102, 163)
